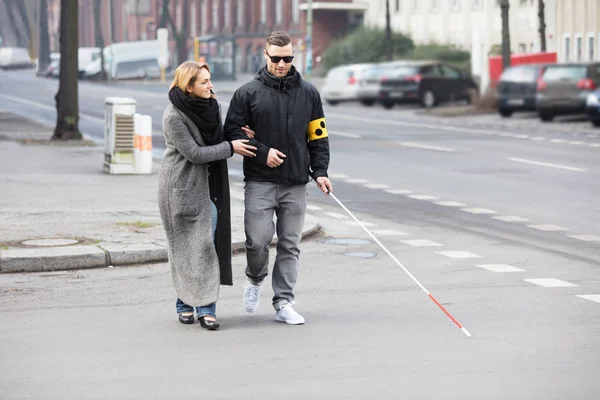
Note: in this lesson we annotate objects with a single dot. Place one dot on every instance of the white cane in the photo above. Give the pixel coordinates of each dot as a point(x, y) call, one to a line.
point(462, 328)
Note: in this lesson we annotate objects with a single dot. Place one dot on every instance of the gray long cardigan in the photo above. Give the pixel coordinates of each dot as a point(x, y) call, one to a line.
point(184, 203)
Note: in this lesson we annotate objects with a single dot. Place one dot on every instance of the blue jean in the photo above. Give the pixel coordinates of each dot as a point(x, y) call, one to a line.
point(211, 309)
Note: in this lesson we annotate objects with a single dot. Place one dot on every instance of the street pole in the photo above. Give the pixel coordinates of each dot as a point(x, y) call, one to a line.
point(388, 32)
point(506, 58)
point(309, 21)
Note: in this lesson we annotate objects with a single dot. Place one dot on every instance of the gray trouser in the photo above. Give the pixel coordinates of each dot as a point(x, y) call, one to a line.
point(288, 203)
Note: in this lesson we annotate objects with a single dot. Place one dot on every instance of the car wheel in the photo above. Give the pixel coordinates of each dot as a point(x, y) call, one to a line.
point(546, 116)
point(428, 99)
point(505, 112)
point(331, 102)
point(367, 103)
point(387, 104)
point(596, 123)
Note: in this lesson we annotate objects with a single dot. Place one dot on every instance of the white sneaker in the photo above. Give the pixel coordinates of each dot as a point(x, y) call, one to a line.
point(288, 315)
point(251, 296)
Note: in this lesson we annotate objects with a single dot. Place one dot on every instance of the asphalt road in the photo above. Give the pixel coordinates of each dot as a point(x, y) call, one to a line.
point(500, 221)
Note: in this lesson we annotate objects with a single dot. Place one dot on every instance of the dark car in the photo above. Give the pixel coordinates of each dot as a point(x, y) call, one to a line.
point(564, 88)
point(427, 83)
point(517, 88)
point(593, 107)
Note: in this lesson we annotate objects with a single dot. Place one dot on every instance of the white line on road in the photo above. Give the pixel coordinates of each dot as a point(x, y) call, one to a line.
point(511, 218)
point(538, 138)
point(337, 215)
point(591, 297)
point(478, 210)
point(421, 243)
point(426, 146)
point(338, 176)
point(545, 164)
point(548, 228)
point(345, 134)
point(313, 208)
point(586, 238)
point(422, 197)
point(550, 282)
point(389, 232)
point(458, 254)
point(398, 191)
point(47, 107)
point(356, 180)
point(354, 223)
point(449, 203)
point(377, 186)
point(500, 268)
point(594, 145)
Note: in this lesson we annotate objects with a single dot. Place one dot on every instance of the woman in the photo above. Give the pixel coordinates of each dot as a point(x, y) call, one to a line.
point(193, 193)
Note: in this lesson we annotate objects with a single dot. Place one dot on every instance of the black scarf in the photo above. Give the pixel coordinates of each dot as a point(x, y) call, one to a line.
point(203, 112)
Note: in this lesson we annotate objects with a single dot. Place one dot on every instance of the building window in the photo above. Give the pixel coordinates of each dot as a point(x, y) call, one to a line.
point(476, 3)
point(567, 49)
point(193, 19)
point(263, 11)
point(397, 6)
point(522, 48)
point(226, 13)
point(591, 49)
point(434, 5)
point(531, 47)
point(295, 11)
point(278, 11)
point(455, 4)
point(416, 5)
point(578, 48)
point(240, 12)
point(215, 14)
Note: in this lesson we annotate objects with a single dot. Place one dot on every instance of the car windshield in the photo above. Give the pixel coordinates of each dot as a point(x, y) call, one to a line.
point(565, 73)
point(518, 74)
point(338, 73)
point(401, 71)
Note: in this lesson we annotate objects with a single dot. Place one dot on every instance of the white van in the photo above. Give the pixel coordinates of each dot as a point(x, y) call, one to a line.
point(128, 60)
point(15, 57)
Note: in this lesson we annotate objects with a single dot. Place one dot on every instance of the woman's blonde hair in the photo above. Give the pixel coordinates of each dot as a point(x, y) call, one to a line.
point(186, 75)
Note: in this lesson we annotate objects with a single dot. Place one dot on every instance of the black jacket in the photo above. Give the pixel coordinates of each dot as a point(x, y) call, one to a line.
point(285, 114)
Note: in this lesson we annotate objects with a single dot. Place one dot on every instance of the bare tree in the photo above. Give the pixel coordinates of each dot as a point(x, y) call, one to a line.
point(504, 6)
point(181, 36)
point(22, 39)
point(67, 98)
point(44, 59)
point(99, 37)
point(542, 23)
point(388, 32)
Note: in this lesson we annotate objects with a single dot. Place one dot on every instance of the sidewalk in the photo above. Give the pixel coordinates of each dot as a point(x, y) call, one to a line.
point(59, 211)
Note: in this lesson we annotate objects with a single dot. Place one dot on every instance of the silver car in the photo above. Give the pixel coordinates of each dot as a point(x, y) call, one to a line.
point(342, 83)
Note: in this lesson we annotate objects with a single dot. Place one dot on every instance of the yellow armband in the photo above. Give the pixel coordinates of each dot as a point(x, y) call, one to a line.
point(317, 129)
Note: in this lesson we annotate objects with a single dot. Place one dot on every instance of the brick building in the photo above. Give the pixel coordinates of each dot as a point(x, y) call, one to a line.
point(247, 21)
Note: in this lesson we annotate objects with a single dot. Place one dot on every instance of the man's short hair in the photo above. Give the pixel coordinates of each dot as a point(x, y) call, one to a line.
point(279, 38)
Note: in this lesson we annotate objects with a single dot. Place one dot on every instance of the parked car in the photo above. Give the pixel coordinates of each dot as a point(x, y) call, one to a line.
point(15, 57)
point(427, 83)
point(593, 107)
point(369, 87)
point(517, 88)
point(341, 83)
point(564, 89)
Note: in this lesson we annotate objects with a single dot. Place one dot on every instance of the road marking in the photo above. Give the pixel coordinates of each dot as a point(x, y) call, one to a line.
point(511, 218)
point(426, 146)
point(522, 136)
point(545, 164)
point(398, 191)
point(354, 223)
point(550, 282)
point(421, 243)
point(538, 138)
point(388, 232)
point(576, 142)
point(586, 238)
point(422, 197)
point(377, 186)
point(346, 134)
point(356, 180)
point(548, 228)
point(458, 254)
point(478, 211)
point(558, 141)
point(500, 268)
point(239, 184)
point(449, 203)
point(338, 176)
point(591, 297)
point(313, 208)
point(47, 107)
point(337, 215)
point(594, 145)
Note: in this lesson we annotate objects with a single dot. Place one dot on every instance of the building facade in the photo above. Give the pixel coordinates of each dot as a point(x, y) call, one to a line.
point(578, 30)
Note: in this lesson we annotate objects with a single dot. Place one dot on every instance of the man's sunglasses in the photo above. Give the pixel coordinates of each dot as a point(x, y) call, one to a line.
point(276, 59)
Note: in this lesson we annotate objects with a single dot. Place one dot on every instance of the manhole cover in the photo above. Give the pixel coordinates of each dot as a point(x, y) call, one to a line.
point(50, 242)
point(361, 255)
point(347, 241)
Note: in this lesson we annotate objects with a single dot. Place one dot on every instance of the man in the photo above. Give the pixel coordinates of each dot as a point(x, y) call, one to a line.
point(292, 144)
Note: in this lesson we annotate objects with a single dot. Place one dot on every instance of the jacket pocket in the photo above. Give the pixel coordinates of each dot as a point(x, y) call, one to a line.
point(185, 203)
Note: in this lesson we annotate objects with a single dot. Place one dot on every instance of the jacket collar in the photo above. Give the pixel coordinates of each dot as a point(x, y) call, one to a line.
point(292, 79)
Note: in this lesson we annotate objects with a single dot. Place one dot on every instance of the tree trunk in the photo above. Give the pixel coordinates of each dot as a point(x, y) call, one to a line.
point(10, 6)
point(388, 32)
point(181, 37)
point(165, 15)
point(542, 22)
point(23, 14)
point(44, 59)
point(67, 101)
point(99, 38)
point(504, 6)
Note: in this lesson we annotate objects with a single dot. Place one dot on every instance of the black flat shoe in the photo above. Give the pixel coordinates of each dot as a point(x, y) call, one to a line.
point(211, 325)
point(186, 319)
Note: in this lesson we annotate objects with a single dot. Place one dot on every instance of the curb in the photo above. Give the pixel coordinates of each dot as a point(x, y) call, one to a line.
point(104, 255)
